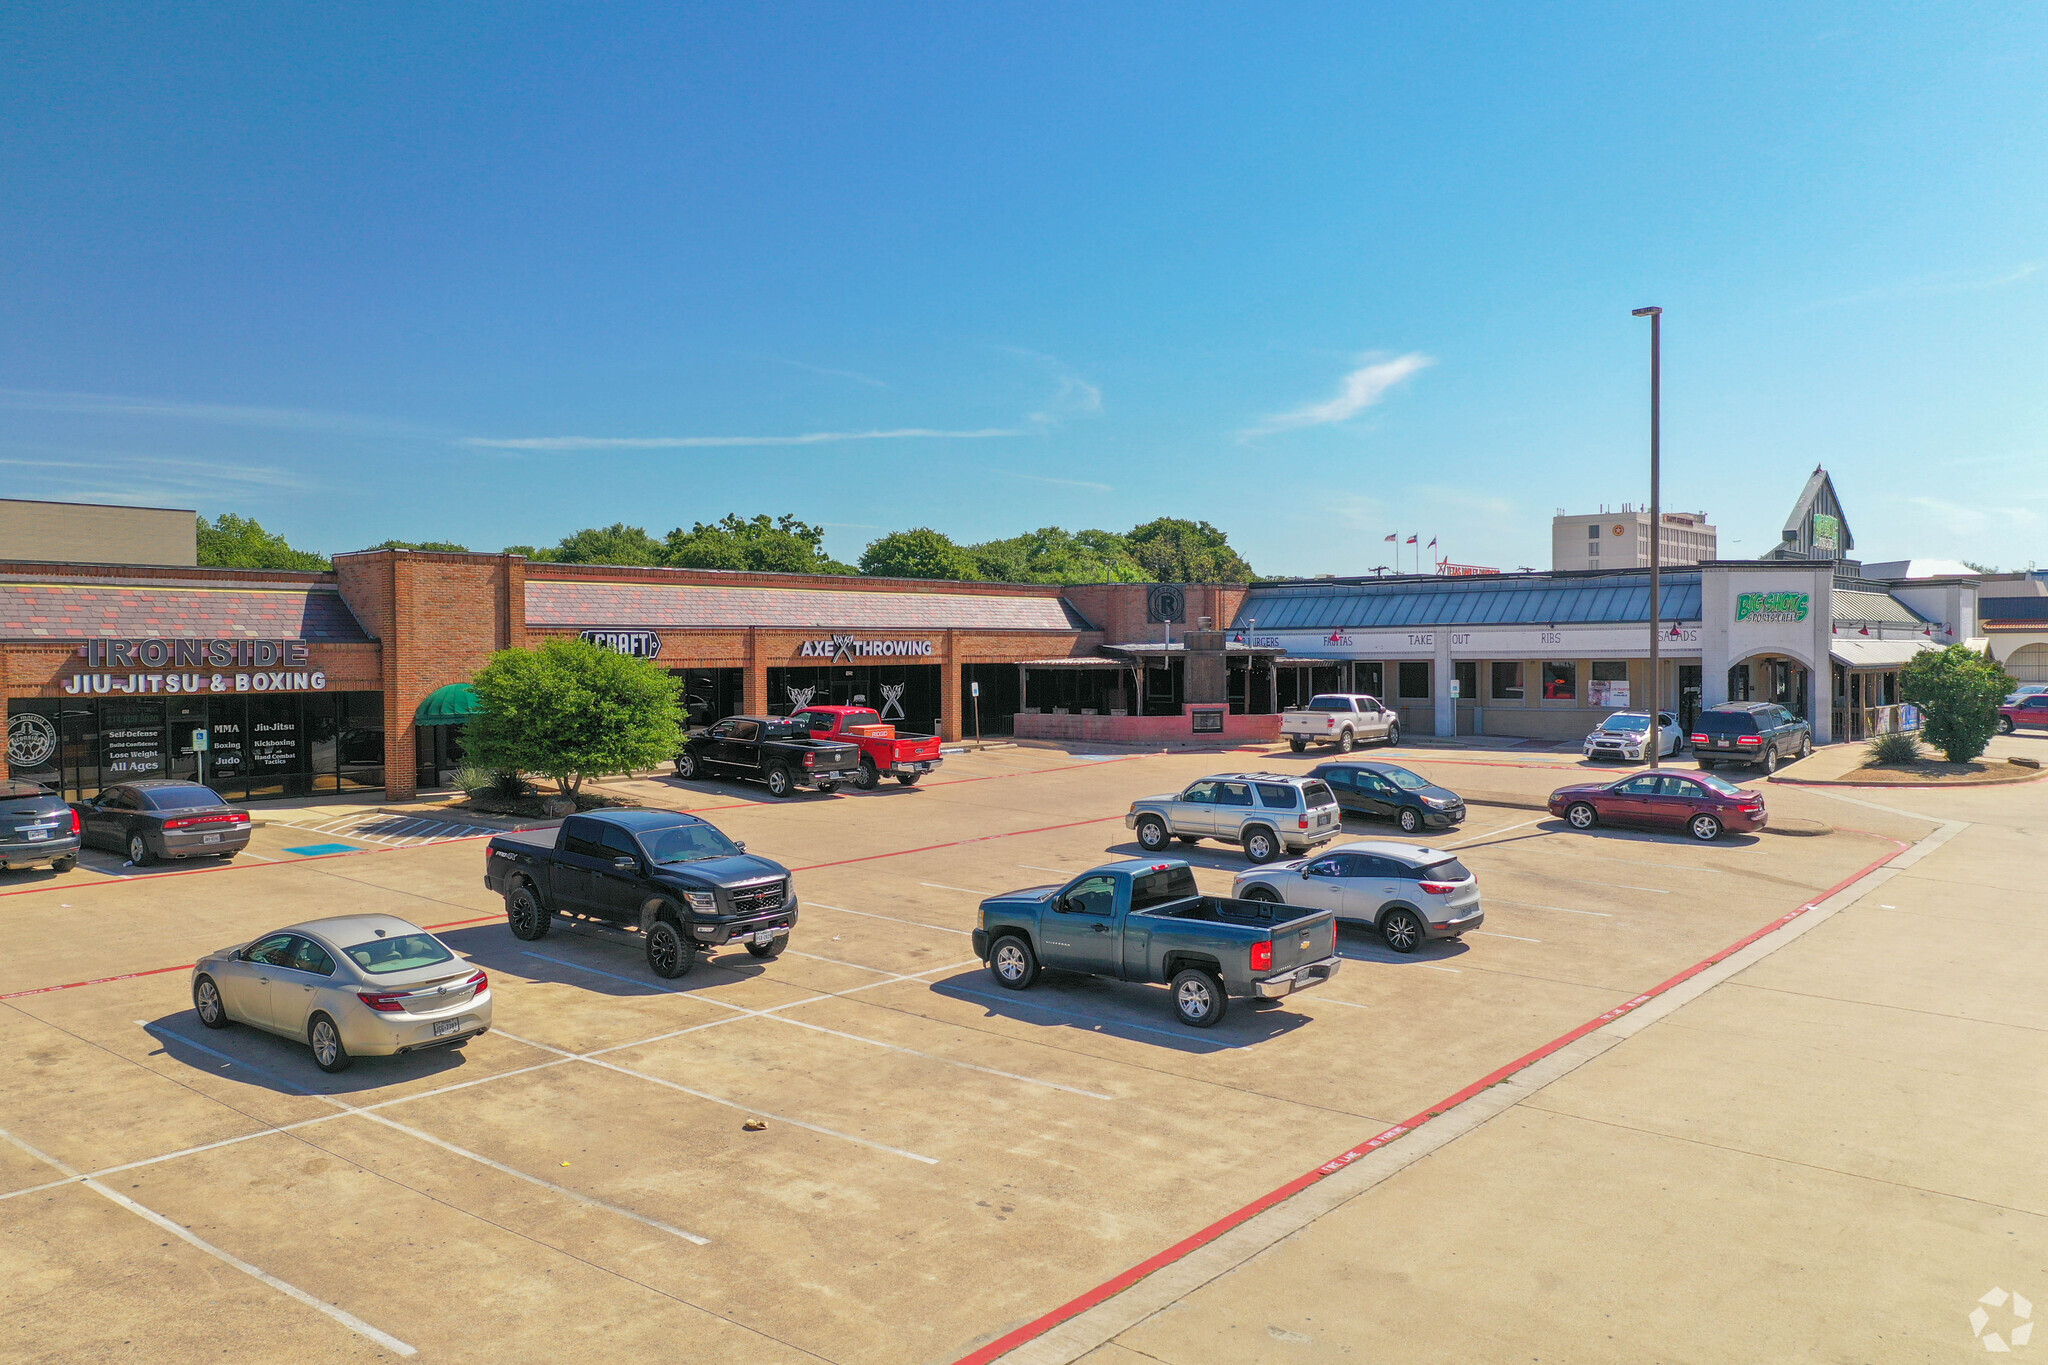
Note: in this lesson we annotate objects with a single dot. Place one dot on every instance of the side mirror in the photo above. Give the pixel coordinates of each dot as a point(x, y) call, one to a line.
point(626, 862)
point(740, 844)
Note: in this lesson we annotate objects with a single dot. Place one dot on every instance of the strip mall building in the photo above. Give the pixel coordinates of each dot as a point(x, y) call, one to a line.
point(271, 684)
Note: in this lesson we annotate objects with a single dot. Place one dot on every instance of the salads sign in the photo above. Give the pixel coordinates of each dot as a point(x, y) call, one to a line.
point(1772, 606)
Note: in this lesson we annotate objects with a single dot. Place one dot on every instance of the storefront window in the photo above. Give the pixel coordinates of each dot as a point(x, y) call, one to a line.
point(360, 746)
point(1467, 674)
point(1414, 678)
point(132, 740)
point(1371, 678)
point(1610, 683)
point(1507, 681)
point(1560, 682)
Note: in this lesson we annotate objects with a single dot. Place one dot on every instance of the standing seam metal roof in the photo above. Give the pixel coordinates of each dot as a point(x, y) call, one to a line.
point(1470, 602)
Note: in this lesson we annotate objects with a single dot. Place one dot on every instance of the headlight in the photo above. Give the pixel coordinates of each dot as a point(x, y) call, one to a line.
point(703, 902)
point(1437, 803)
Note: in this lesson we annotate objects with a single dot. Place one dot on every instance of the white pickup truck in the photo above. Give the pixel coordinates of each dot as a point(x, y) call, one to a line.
point(1339, 718)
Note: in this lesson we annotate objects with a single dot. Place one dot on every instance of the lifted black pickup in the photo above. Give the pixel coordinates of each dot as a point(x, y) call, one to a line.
point(672, 878)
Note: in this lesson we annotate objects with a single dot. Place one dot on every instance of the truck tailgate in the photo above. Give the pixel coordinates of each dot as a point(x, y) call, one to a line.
point(1307, 938)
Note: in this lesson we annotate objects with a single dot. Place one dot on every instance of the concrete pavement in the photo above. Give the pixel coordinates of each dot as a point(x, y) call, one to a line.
point(1830, 1152)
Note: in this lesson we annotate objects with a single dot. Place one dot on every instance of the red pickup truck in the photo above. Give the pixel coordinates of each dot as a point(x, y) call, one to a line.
point(883, 752)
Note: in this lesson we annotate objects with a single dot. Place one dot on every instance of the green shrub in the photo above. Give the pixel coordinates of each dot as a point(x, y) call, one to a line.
point(1896, 748)
point(1958, 690)
point(571, 710)
point(472, 779)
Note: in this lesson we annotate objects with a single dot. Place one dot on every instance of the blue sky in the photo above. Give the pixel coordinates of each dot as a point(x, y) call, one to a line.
point(1313, 273)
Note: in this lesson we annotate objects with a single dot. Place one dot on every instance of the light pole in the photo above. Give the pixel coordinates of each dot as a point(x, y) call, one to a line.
point(1656, 317)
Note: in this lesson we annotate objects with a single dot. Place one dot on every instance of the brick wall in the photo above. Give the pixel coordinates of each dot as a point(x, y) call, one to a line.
point(1118, 609)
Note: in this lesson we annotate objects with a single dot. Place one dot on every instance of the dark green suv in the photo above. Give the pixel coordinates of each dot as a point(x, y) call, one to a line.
point(1759, 732)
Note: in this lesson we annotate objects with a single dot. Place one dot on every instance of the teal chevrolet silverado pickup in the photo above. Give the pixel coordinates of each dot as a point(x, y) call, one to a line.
point(1144, 920)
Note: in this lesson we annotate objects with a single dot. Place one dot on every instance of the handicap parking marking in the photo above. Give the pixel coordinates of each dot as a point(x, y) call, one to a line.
point(322, 850)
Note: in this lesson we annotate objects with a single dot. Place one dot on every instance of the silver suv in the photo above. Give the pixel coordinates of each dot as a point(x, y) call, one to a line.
point(1268, 814)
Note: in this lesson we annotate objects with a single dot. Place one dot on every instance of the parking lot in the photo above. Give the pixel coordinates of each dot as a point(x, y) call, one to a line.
point(941, 1160)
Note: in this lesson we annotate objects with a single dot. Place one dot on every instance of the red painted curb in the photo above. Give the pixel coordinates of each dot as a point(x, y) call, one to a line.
point(1110, 1288)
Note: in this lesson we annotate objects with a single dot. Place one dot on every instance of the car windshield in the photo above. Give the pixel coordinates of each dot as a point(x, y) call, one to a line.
point(1726, 723)
point(1632, 724)
point(1329, 704)
point(687, 844)
point(1318, 794)
point(1449, 870)
point(1719, 784)
point(1161, 886)
point(1405, 780)
point(400, 953)
point(181, 798)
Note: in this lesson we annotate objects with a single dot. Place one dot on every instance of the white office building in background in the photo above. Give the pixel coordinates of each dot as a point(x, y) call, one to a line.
point(1610, 539)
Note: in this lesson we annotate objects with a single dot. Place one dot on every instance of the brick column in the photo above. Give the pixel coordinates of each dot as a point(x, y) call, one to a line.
point(951, 703)
point(754, 691)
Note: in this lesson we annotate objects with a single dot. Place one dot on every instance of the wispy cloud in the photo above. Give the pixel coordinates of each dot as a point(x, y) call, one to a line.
point(1072, 396)
point(217, 414)
point(1064, 483)
point(1362, 388)
point(809, 438)
point(158, 471)
point(1931, 286)
point(830, 373)
point(1959, 519)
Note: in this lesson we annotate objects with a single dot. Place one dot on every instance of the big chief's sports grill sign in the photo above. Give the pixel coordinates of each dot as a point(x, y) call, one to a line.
point(150, 667)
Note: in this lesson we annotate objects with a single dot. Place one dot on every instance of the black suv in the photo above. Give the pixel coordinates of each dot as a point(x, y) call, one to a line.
point(1758, 732)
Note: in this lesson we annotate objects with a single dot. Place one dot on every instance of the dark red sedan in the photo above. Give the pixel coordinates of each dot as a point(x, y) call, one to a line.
point(1699, 803)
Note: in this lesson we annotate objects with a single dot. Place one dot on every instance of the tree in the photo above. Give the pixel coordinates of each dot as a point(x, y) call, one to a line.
point(1171, 550)
point(918, 553)
point(1053, 555)
point(443, 546)
point(1958, 691)
point(617, 543)
point(534, 553)
point(232, 542)
point(572, 710)
point(784, 545)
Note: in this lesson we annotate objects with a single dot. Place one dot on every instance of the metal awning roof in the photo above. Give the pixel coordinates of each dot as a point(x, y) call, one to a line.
point(1876, 653)
point(1492, 600)
point(1874, 607)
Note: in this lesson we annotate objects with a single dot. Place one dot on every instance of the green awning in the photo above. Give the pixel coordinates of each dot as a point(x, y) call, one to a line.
point(450, 705)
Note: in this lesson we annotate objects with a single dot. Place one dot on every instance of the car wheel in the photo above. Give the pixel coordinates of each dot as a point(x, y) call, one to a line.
point(1198, 998)
point(1151, 834)
point(530, 920)
point(1402, 930)
point(1769, 761)
point(780, 784)
point(329, 1054)
point(1261, 845)
point(1705, 828)
point(65, 863)
point(1297, 743)
point(1706, 765)
point(1581, 815)
point(138, 849)
point(1394, 733)
point(2005, 726)
point(669, 954)
point(1805, 745)
point(1265, 894)
point(1345, 743)
point(1014, 964)
point(908, 779)
point(869, 777)
point(206, 1000)
point(686, 765)
point(770, 950)
point(1411, 819)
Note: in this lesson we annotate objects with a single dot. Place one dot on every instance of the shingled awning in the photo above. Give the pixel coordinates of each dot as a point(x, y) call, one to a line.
point(568, 602)
point(64, 611)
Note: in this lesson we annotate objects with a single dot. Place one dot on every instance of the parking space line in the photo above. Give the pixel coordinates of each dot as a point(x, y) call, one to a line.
point(1034, 867)
point(1101, 1024)
point(1493, 832)
point(968, 890)
point(837, 1033)
point(1432, 967)
point(183, 1234)
point(720, 1099)
point(942, 928)
point(1562, 910)
point(1620, 886)
point(426, 1137)
point(1488, 933)
point(1632, 862)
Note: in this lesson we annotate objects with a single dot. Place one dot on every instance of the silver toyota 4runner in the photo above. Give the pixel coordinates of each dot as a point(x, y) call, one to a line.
point(1269, 815)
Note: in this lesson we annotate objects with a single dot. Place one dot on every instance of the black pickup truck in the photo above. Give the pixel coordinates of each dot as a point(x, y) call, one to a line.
point(672, 878)
point(769, 749)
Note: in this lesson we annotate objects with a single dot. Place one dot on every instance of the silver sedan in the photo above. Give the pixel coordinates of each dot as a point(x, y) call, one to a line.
point(352, 986)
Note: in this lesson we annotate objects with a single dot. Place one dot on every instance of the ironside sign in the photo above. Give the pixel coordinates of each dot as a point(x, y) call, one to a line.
point(172, 665)
point(641, 644)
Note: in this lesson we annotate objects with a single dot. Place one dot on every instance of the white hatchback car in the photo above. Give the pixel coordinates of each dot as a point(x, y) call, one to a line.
point(1409, 894)
point(352, 986)
point(1625, 735)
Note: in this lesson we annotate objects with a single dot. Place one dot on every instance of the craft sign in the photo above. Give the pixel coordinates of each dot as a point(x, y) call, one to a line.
point(640, 644)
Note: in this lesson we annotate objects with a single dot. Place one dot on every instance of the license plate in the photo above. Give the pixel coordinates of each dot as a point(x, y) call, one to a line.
point(209, 838)
point(35, 834)
point(444, 1027)
point(764, 937)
